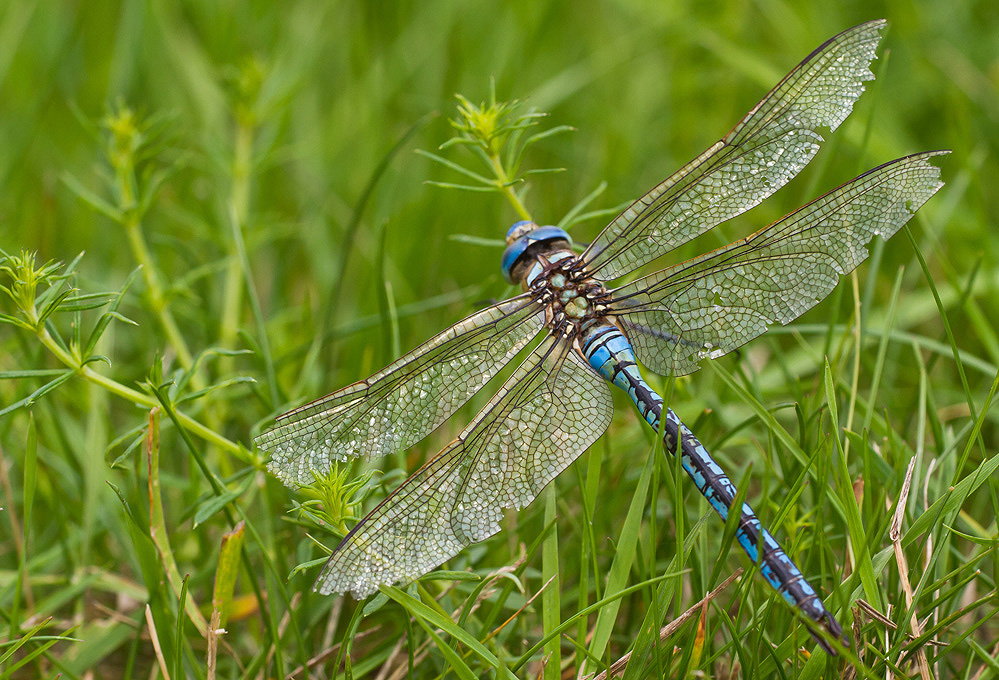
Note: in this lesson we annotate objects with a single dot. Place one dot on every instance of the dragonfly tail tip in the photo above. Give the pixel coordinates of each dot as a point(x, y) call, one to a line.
point(832, 628)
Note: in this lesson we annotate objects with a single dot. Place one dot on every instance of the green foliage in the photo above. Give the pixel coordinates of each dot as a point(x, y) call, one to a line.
point(495, 134)
point(335, 499)
point(254, 237)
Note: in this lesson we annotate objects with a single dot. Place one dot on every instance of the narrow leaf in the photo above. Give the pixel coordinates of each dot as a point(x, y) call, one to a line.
point(91, 199)
point(39, 393)
point(216, 503)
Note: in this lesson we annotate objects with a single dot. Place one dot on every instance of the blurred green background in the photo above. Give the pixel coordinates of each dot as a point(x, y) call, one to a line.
point(333, 86)
point(284, 118)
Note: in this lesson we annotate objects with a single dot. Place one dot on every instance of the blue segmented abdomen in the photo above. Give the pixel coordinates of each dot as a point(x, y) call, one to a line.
point(610, 354)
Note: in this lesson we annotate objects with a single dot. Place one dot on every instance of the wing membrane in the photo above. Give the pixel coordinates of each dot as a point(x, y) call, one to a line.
point(710, 305)
point(400, 405)
point(547, 413)
point(772, 144)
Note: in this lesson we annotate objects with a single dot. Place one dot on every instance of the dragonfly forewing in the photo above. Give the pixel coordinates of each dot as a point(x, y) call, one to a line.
point(545, 415)
point(771, 144)
point(714, 303)
point(400, 405)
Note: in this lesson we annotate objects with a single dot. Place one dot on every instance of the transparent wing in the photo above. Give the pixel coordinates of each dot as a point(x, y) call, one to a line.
point(714, 303)
point(772, 144)
point(400, 405)
point(547, 413)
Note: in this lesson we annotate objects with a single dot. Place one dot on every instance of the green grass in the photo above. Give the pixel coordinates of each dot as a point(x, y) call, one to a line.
point(257, 161)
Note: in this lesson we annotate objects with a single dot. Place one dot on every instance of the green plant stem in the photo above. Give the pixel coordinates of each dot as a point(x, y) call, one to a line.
point(125, 174)
point(157, 525)
point(233, 288)
point(858, 338)
point(551, 614)
point(154, 289)
point(503, 181)
point(134, 396)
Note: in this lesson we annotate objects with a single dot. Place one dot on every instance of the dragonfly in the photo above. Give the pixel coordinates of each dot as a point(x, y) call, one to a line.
point(590, 334)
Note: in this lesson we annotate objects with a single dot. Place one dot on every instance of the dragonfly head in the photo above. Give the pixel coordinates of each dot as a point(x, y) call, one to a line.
point(519, 239)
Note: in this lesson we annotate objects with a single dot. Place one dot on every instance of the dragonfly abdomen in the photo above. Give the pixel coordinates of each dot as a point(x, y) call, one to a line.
point(609, 353)
point(776, 566)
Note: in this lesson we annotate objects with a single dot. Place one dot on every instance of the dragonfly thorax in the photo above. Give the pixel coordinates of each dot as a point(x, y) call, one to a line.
point(572, 299)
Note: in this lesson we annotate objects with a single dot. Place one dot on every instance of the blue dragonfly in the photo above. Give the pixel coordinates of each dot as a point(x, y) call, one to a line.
point(557, 401)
